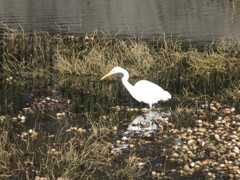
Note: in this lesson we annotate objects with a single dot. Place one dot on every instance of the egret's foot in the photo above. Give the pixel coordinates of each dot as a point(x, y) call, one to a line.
point(146, 109)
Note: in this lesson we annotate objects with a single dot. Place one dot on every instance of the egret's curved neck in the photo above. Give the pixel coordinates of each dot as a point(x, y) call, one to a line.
point(125, 81)
point(125, 75)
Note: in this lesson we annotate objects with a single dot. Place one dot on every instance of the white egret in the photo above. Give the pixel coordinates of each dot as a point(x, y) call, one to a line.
point(143, 91)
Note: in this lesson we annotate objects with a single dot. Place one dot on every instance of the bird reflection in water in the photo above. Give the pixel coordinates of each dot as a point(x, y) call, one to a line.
point(142, 124)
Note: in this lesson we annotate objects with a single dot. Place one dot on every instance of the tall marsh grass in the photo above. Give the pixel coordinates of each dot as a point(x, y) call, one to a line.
point(27, 55)
point(181, 70)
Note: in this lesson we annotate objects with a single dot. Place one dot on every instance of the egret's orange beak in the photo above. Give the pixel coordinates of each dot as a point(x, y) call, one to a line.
point(108, 74)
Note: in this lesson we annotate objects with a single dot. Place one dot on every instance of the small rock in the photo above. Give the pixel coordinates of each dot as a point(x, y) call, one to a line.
point(236, 150)
point(217, 137)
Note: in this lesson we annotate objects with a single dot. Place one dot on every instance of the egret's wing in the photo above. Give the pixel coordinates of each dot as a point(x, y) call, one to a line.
point(150, 92)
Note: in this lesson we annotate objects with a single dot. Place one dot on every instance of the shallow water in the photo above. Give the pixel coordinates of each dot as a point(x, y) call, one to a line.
point(143, 125)
point(200, 21)
point(74, 99)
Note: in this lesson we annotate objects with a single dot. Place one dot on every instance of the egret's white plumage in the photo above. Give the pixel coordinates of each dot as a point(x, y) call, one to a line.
point(143, 91)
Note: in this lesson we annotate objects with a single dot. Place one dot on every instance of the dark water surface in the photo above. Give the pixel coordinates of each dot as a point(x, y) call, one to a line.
point(200, 21)
point(75, 99)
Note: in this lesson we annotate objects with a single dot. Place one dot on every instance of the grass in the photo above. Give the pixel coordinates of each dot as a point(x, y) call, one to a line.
point(71, 153)
point(209, 71)
point(27, 55)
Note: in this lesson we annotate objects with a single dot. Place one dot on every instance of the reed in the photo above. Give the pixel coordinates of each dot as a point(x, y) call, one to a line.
point(26, 55)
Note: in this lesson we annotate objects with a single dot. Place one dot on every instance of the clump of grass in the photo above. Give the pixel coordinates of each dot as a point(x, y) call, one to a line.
point(230, 95)
point(99, 56)
point(8, 152)
point(26, 55)
point(200, 72)
point(80, 156)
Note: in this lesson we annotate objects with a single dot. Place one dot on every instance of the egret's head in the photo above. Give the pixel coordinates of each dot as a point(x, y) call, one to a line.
point(116, 69)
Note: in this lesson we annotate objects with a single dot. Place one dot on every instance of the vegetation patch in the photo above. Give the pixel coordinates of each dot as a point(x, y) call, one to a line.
point(208, 71)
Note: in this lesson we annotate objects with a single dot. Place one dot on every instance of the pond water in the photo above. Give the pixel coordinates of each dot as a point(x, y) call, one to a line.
point(74, 100)
point(198, 21)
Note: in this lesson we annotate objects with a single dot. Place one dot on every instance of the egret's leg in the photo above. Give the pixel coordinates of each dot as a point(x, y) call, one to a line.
point(150, 105)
